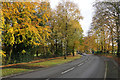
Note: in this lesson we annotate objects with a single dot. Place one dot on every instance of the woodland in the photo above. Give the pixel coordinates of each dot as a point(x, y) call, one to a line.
point(34, 29)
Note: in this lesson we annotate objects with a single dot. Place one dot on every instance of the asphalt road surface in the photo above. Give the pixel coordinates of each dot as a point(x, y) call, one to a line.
point(89, 66)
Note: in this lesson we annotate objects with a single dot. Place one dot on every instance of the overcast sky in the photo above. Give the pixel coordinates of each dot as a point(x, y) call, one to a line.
point(86, 9)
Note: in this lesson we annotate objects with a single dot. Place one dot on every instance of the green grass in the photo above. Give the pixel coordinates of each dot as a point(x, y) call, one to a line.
point(9, 71)
point(54, 62)
point(33, 66)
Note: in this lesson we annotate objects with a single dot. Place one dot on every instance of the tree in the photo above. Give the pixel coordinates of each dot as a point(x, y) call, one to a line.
point(67, 11)
point(21, 27)
point(106, 22)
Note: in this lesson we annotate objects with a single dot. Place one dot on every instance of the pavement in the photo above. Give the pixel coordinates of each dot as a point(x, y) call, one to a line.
point(89, 67)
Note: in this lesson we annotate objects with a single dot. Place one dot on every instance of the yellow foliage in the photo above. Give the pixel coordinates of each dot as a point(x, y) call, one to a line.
point(20, 20)
point(10, 30)
point(3, 53)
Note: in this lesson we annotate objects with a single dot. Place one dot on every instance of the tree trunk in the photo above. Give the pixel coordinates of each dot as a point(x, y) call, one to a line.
point(8, 60)
point(64, 51)
point(101, 47)
point(67, 47)
point(118, 37)
point(65, 54)
point(56, 47)
point(52, 49)
point(118, 31)
point(112, 41)
point(61, 48)
point(44, 51)
point(118, 51)
point(104, 44)
point(37, 54)
point(73, 49)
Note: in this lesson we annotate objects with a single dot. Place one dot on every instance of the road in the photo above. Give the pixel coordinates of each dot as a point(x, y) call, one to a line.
point(89, 66)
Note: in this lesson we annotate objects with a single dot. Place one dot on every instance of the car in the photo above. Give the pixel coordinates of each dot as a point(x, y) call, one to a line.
point(84, 54)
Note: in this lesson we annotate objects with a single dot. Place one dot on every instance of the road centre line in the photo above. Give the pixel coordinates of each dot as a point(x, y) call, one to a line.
point(47, 79)
point(80, 64)
point(72, 68)
point(68, 70)
point(105, 71)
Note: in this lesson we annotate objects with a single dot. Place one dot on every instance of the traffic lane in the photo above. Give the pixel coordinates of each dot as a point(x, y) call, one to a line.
point(112, 68)
point(52, 71)
point(92, 68)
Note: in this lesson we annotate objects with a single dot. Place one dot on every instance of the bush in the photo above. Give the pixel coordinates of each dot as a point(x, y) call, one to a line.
point(49, 54)
point(26, 57)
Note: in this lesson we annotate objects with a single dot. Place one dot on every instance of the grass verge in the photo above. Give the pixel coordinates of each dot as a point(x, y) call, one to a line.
point(33, 66)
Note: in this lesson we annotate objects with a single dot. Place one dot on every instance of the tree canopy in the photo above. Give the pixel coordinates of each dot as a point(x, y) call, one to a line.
point(33, 28)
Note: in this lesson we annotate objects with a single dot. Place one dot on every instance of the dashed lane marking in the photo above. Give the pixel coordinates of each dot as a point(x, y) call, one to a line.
point(80, 64)
point(47, 78)
point(68, 70)
point(105, 71)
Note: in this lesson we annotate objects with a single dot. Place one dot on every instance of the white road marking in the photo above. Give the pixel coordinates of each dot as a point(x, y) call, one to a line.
point(68, 70)
point(80, 64)
point(47, 79)
point(105, 71)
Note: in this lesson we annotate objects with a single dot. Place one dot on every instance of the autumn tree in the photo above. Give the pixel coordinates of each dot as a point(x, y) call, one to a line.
point(30, 28)
point(67, 12)
point(21, 29)
point(106, 24)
